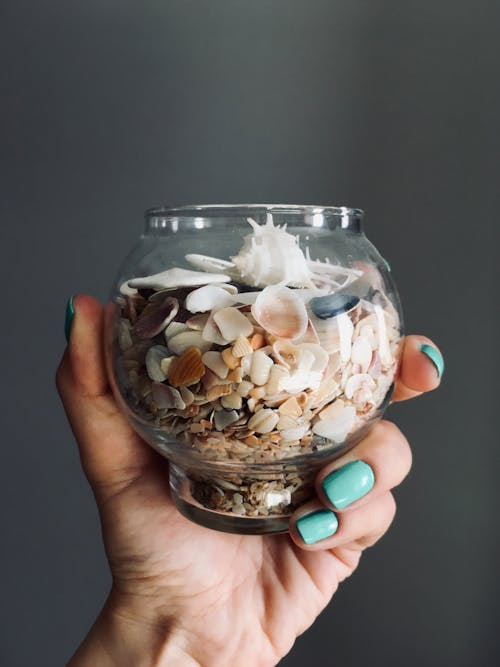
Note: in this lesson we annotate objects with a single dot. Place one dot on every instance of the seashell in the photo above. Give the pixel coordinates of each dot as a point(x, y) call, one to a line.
point(310, 335)
point(295, 433)
point(246, 364)
point(186, 369)
point(281, 312)
point(244, 388)
point(126, 290)
point(320, 356)
point(232, 323)
point(207, 298)
point(229, 359)
point(230, 289)
point(212, 333)
point(211, 264)
point(165, 364)
point(251, 404)
point(197, 322)
point(177, 278)
point(235, 375)
point(155, 317)
point(251, 441)
point(242, 347)
point(223, 418)
point(124, 336)
point(277, 376)
point(300, 380)
point(375, 368)
point(210, 379)
point(186, 394)
point(361, 353)
point(257, 341)
point(263, 421)
point(173, 329)
point(232, 401)
point(358, 381)
point(215, 362)
point(271, 255)
point(286, 421)
point(290, 408)
point(219, 390)
point(181, 342)
point(332, 305)
point(246, 298)
point(336, 429)
point(257, 392)
point(260, 368)
point(285, 353)
point(167, 397)
point(333, 410)
point(154, 357)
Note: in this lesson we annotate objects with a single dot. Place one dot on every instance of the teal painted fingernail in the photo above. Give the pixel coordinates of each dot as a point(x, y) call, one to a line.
point(317, 525)
point(70, 313)
point(347, 484)
point(435, 356)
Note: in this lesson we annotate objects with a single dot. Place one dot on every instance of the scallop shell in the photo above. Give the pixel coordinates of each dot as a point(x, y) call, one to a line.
point(232, 323)
point(155, 317)
point(154, 357)
point(336, 429)
point(263, 421)
point(177, 278)
point(186, 369)
point(207, 298)
point(186, 339)
point(260, 368)
point(215, 362)
point(167, 397)
point(281, 312)
point(242, 347)
point(361, 353)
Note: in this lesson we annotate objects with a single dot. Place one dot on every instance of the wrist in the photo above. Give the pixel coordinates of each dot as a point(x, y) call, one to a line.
point(123, 636)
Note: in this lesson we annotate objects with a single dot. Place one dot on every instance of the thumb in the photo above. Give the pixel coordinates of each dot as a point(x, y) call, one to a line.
point(112, 454)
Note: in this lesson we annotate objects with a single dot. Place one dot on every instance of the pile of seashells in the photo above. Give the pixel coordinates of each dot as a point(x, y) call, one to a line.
point(261, 358)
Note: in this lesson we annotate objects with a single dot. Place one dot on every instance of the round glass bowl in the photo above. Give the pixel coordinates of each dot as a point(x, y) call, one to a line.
point(251, 344)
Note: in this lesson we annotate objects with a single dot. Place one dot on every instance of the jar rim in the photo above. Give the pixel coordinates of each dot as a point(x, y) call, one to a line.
point(224, 209)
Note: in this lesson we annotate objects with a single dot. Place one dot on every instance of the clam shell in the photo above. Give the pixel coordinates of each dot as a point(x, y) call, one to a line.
point(336, 429)
point(177, 278)
point(186, 369)
point(167, 397)
point(358, 381)
point(207, 298)
point(154, 357)
point(186, 339)
point(263, 421)
point(260, 368)
point(215, 362)
point(155, 317)
point(361, 353)
point(281, 312)
point(242, 347)
point(285, 353)
point(232, 323)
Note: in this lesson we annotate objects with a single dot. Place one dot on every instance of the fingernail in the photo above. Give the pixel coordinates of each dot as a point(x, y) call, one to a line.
point(70, 313)
point(317, 525)
point(347, 484)
point(435, 356)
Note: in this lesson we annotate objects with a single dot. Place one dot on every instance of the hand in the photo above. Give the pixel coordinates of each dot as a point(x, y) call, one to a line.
point(186, 595)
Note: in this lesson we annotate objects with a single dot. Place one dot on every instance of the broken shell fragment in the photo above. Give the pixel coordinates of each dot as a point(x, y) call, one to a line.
point(197, 322)
point(263, 421)
point(167, 397)
point(155, 317)
point(232, 401)
point(358, 381)
point(290, 407)
point(331, 305)
point(177, 278)
point(186, 369)
point(207, 298)
point(215, 362)
point(173, 329)
point(212, 333)
point(154, 357)
point(242, 347)
point(223, 418)
point(336, 429)
point(211, 264)
point(361, 353)
point(281, 312)
point(260, 368)
point(182, 341)
point(232, 323)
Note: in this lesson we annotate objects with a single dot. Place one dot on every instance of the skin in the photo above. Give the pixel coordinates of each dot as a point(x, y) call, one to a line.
point(185, 595)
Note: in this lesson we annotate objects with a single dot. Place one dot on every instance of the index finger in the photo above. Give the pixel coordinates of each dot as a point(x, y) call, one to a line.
point(420, 369)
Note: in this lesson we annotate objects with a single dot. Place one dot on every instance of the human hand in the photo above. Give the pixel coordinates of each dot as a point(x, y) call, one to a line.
point(186, 595)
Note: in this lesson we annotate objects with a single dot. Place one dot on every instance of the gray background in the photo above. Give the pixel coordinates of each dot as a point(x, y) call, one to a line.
point(392, 106)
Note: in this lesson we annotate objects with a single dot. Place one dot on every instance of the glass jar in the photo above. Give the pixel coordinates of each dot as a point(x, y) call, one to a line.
point(250, 345)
